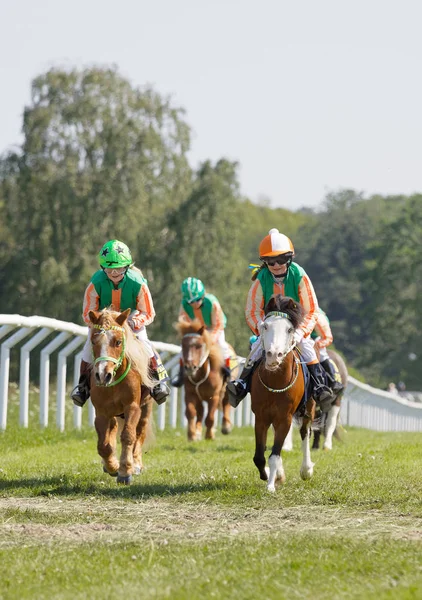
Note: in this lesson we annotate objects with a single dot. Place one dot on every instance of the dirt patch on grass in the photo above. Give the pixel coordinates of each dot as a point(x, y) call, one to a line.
point(32, 521)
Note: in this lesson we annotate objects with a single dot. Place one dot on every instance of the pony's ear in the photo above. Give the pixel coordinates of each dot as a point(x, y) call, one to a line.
point(94, 316)
point(201, 331)
point(123, 316)
point(292, 304)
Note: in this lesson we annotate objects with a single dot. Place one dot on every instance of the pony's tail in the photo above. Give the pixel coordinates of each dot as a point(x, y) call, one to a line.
point(256, 269)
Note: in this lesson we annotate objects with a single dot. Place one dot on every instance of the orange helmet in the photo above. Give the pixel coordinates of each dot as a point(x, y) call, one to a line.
point(275, 244)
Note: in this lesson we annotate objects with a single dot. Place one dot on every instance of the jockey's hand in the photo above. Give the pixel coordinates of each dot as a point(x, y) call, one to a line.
point(133, 321)
point(298, 336)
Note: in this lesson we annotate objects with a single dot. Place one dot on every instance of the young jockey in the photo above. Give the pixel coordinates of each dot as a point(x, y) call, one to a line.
point(120, 284)
point(323, 338)
point(279, 275)
point(197, 304)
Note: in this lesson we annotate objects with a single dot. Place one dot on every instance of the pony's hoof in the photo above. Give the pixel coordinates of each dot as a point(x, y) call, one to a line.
point(327, 449)
point(111, 474)
point(280, 478)
point(226, 430)
point(271, 488)
point(137, 470)
point(124, 480)
point(306, 473)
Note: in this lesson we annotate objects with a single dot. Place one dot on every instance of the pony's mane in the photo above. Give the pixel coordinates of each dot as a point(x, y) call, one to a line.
point(215, 355)
point(136, 351)
point(293, 309)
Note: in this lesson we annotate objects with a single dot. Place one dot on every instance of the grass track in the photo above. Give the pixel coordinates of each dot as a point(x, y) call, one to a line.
point(199, 523)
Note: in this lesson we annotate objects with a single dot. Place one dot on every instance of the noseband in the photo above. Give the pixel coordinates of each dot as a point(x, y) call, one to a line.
point(117, 361)
point(297, 361)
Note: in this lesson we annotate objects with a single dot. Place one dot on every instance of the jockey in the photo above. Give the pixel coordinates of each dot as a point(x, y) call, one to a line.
point(323, 338)
point(197, 304)
point(121, 285)
point(279, 275)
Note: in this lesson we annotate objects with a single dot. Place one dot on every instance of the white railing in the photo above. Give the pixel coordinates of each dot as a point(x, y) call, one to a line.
point(363, 406)
point(67, 344)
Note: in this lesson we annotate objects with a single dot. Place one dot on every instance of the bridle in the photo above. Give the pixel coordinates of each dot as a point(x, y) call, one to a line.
point(117, 361)
point(201, 363)
point(281, 315)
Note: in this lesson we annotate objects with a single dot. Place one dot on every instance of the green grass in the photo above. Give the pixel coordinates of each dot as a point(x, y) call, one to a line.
point(200, 524)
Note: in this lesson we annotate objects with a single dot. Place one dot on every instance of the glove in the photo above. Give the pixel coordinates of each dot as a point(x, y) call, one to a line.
point(298, 336)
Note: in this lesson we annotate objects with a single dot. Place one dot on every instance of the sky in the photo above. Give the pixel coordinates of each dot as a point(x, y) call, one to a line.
point(309, 96)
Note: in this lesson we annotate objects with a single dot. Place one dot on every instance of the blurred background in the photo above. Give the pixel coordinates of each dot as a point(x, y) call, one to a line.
point(189, 129)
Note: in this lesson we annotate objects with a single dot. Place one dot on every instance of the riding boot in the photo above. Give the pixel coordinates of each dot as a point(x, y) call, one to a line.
point(227, 372)
point(80, 393)
point(335, 385)
point(177, 380)
point(160, 392)
point(322, 394)
point(238, 388)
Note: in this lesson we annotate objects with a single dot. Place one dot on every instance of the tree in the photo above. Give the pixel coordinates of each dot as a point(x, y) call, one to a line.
point(100, 159)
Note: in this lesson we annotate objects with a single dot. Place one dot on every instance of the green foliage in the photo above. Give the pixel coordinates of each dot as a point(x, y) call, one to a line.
point(102, 159)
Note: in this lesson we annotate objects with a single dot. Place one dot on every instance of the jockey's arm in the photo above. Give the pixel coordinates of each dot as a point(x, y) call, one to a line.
point(323, 329)
point(254, 311)
point(183, 315)
point(144, 313)
point(309, 303)
point(91, 302)
point(217, 321)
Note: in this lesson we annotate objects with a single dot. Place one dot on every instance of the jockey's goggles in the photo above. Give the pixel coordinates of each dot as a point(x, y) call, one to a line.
point(119, 271)
point(195, 300)
point(271, 261)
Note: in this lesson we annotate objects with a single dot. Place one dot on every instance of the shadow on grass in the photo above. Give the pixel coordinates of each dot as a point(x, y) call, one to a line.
point(56, 486)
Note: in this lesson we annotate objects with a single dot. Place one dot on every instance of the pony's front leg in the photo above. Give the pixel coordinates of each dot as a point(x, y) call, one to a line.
point(275, 462)
point(141, 432)
point(210, 418)
point(190, 413)
point(128, 439)
point(307, 467)
point(226, 426)
point(330, 426)
point(261, 430)
point(106, 446)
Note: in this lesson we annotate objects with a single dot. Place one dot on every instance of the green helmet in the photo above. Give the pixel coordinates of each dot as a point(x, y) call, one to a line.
point(114, 254)
point(192, 289)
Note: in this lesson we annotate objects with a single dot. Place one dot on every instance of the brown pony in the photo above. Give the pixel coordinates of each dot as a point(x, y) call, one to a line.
point(277, 389)
point(120, 367)
point(203, 380)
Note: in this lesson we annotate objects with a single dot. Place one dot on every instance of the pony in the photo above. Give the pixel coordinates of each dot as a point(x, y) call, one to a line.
point(120, 383)
point(203, 380)
point(277, 389)
point(326, 423)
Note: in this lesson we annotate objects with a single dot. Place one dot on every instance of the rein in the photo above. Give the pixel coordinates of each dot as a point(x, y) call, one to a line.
point(117, 361)
point(297, 361)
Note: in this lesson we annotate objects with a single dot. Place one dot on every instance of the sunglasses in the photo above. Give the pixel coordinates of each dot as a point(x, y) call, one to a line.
point(194, 300)
point(277, 260)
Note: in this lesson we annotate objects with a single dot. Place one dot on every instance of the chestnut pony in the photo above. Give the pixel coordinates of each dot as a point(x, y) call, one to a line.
point(119, 368)
point(203, 380)
point(277, 388)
